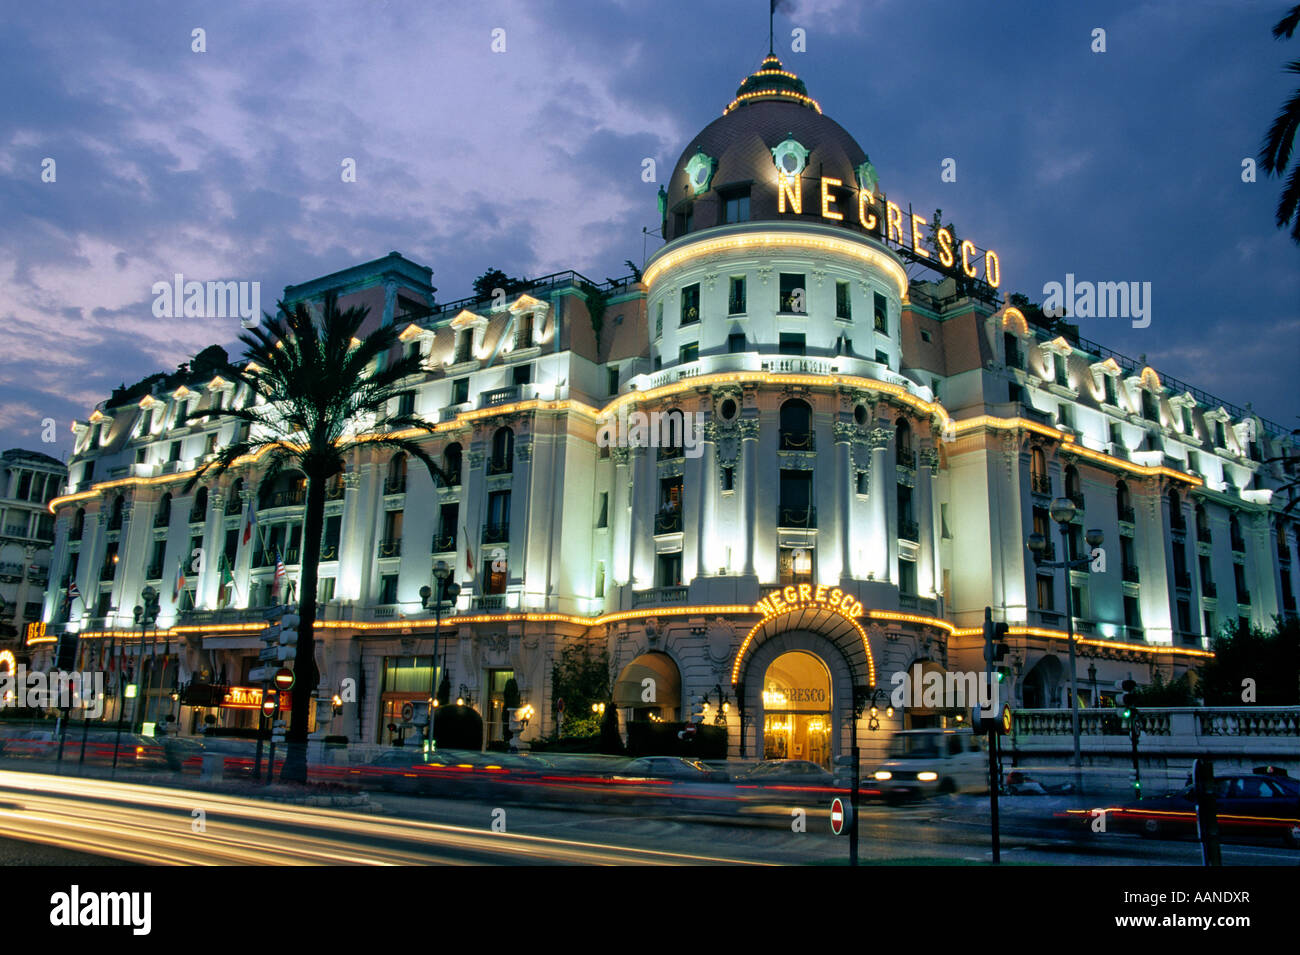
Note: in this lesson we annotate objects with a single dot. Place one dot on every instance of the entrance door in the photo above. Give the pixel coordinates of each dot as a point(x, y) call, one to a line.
point(797, 709)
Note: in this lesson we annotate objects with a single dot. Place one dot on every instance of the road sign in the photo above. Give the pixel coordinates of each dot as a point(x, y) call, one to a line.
point(284, 679)
point(269, 654)
point(559, 705)
point(260, 674)
point(1006, 719)
point(274, 613)
point(839, 815)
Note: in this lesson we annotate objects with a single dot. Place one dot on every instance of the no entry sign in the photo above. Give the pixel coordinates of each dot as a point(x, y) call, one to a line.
point(838, 815)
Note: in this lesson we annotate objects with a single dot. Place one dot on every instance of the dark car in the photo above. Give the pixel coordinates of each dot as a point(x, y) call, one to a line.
point(1250, 805)
point(676, 768)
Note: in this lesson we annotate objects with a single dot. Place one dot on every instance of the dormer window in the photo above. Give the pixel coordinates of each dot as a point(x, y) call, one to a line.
point(735, 205)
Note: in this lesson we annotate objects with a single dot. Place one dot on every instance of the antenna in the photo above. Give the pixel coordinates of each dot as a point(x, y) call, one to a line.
point(771, 12)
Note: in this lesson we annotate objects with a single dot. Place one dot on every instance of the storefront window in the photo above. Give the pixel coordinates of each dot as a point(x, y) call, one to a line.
point(406, 680)
point(797, 709)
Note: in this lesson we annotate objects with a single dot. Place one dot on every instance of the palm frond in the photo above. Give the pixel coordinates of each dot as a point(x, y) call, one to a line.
point(1286, 27)
point(1275, 151)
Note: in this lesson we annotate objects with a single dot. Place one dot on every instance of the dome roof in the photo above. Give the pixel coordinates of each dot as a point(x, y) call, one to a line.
point(733, 156)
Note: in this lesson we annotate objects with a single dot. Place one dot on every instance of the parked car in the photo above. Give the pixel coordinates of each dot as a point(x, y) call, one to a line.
point(673, 767)
point(929, 761)
point(786, 772)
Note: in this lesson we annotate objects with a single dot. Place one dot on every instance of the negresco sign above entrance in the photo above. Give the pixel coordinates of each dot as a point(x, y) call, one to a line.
point(809, 597)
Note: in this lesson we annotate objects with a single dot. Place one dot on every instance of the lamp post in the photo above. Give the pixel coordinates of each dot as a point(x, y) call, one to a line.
point(1062, 511)
point(446, 590)
point(148, 618)
point(724, 705)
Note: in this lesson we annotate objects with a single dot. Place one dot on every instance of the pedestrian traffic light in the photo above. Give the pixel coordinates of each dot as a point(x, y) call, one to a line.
point(288, 637)
point(1129, 699)
point(65, 655)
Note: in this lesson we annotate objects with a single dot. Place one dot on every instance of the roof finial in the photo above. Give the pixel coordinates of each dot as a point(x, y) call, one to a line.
point(771, 49)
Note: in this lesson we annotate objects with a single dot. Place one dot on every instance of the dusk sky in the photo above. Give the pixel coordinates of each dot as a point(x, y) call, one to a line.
point(1117, 166)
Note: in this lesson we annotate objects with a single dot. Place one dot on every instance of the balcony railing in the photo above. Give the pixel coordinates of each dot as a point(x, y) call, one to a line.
point(153, 572)
point(501, 465)
point(162, 518)
point(907, 458)
point(908, 530)
point(796, 516)
point(496, 533)
point(329, 550)
point(443, 543)
point(198, 515)
point(1127, 515)
point(335, 490)
point(1042, 484)
point(233, 504)
point(798, 440)
point(489, 602)
point(669, 452)
point(660, 595)
point(668, 522)
point(1131, 574)
point(499, 396)
point(286, 499)
point(390, 547)
point(395, 485)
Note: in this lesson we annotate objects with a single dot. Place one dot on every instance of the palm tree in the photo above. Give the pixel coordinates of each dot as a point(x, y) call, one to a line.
point(318, 393)
point(1275, 153)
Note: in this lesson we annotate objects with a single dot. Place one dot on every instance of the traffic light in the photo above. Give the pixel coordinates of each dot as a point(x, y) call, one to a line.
point(288, 637)
point(65, 655)
point(1129, 699)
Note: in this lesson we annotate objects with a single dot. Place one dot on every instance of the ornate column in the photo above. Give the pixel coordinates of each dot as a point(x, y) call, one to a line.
point(622, 518)
point(641, 490)
point(705, 478)
point(880, 526)
point(928, 558)
point(474, 516)
point(843, 432)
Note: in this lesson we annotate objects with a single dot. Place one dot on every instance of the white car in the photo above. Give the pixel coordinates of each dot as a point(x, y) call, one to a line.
point(929, 761)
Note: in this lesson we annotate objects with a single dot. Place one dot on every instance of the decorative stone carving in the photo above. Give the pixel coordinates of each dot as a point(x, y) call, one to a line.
point(880, 438)
point(475, 458)
point(524, 451)
point(844, 432)
point(749, 429)
point(929, 458)
point(764, 273)
point(620, 456)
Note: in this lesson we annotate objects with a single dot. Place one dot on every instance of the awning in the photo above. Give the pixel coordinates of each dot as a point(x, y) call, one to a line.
point(630, 690)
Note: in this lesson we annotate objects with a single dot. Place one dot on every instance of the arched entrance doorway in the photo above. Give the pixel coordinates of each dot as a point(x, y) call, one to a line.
point(797, 709)
point(1041, 687)
point(651, 687)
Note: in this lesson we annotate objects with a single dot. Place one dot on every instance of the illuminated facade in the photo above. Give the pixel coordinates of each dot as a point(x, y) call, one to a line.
point(29, 480)
point(874, 454)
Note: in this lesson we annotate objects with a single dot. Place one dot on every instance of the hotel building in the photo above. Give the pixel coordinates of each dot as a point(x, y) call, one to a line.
point(874, 453)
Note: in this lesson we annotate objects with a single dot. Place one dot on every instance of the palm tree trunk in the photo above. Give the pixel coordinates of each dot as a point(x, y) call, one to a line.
point(305, 674)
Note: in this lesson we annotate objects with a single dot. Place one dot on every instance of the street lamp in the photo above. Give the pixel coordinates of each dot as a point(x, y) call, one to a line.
point(1062, 511)
point(724, 705)
point(447, 590)
point(144, 616)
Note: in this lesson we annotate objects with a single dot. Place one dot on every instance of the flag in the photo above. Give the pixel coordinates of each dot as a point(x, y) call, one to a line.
point(279, 576)
point(469, 554)
point(250, 520)
point(180, 580)
point(226, 589)
point(73, 592)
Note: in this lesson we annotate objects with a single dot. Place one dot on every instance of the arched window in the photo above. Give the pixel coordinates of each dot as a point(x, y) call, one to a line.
point(1202, 523)
point(79, 524)
point(1073, 489)
point(199, 510)
point(1176, 511)
point(164, 515)
point(288, 489)
point(1234, 531)
point(336, 487)
point(115, 516)
point(451, 464)
point(396, 483)
point(1123, 502)
point(903, 444)
point(1038, 471)
point(503, 452)
point(796, 426)
point(235, 501)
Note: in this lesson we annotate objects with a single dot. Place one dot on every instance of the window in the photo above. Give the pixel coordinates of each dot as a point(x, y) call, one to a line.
point(882, 358)
point(736, 342)
point(684, 219)
point(395, 483)
point(496, 574)
point(690, 304)
point(498, 518)
point(391, 543)
point(524, 333)
point(325, 590)
point(1015, 393)
point(406, 403)
point(796, 432)
point(880, 310)
point(1149, 409)
point(140, 455)
point(1046, 594)
point(735, 207)
point(600, 580)
point(668, 570)
point(926, 336)
point(862, 482)
point(1132, 612)
point(795, 508)
point(728, 479)
point(843, 303)
point(1109, 382)
point(1065, 416)
point(522, 375)
point(736, 296)
point(1063, 370)
point(659, 319)
point(794, 565)
point(602, 519)
point(844, 345)
point(451, 464)
point(174, 451)
point(464, 342)
point(688, 352)
point(907, 577)
point(329, 546)
point(460, 391)
point(793, 343)
point(669, 518)
point(792, 292)
point(1208, 617)
point(1220, 437)
point(611, 380)
point(503, 452)
point(388, 589)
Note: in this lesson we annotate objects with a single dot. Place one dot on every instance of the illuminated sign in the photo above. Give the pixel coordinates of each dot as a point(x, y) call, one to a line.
point(809, 597)
point(8, 662)
point(35, 631)
point(249, 698)
point(878, 216)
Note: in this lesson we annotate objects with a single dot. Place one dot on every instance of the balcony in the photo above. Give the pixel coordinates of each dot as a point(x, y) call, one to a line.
point(908, 530)
point(162, 518)
point(797, 516)
point(395, 485)
point(496, 533)
point(108, 571)
point(198, 515)
point(443, 543)
point(233, 504)
point(489, 602)
point(1209, 589)
point(390, 547)
point(11, 571)
point(798, 440)
point(1131, 574)
point(668, 522)
point(501, 465)
point(1077, 499)
point(153, 572)
point(660, 595)
point(499, 396)
point(294, 498)
point(669, 452)
point(1182, 580)
point(907, 459)
point(335, 490)
point(1177, 523)
point(329, 550)
point(1127, 515)
point(1041, 484)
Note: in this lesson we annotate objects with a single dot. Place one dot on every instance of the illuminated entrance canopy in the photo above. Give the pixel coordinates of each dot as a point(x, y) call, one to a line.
point(808, 597)
point(878, 216)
